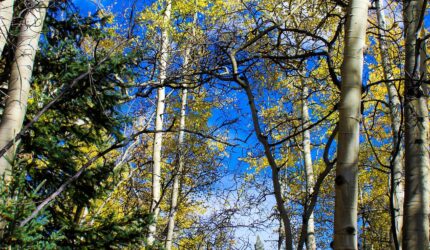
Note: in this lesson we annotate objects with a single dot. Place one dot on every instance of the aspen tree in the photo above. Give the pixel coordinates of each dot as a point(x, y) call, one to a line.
point(158, 136)
point(397, 193)
point(310, 230)
point(416, 204)
point(20, 78)
point(19, 83)
point(178, 173)
point(346, 186)
point(181, 149)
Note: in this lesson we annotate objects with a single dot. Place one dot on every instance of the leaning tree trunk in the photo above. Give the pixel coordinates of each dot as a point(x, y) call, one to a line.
point(309, 171)
point(277, 187)
point(263, 139)
point(6, 15)
point(416, 204)
point(181, 148)
point(158, 137)
point(346, 186)
point(178, 174)
point(19, 82)
point(19, 85)
point(396, 183)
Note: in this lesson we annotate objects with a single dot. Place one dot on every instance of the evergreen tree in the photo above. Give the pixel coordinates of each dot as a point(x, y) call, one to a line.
point(84, 122)
point(258, 244)
point(131, 124)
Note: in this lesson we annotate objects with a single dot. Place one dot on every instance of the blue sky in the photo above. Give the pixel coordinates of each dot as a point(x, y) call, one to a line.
point(233, 164)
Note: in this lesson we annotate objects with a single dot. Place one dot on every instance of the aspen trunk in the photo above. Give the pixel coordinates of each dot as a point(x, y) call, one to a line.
point(19, 82)
point(181, 150)
point(158, 137)
point(19, 85)
point(396, 179)
point(6, 15)
point(416, 204)
point(283, 180)
point(177, 177)
point(346, 186)
point(277, 187)
point(310, 230)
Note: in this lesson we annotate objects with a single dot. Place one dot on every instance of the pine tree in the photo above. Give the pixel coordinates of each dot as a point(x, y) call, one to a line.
point(83, 123)
point(258, 244)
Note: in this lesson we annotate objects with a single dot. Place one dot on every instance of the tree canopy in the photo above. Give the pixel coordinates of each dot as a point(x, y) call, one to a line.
point(178, 124)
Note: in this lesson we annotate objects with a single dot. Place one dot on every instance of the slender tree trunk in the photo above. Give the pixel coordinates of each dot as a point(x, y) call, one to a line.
point(283, 180)
point(6, 15)
point(178, 174)
point(181, 149)
point(19, 82)
point(309, 171)
point(277, 188)
point(280, 235)
point(396, 179)
point(19, 85)
point(346, 181)
point(273, 166)
point(416, 204)
point(158, 137)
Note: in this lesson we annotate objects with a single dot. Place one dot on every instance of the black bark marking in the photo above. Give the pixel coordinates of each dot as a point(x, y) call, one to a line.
point(350, 230)
point(340, 180)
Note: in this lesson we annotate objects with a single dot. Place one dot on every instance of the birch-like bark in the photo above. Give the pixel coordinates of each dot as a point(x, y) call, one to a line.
point(158, 136)
point(178, 174)
point(346, 181)
point(181, 149)
point(19, 82)
point(6, 15)
point(416, 204)
point(309, 171)
point(396, 179)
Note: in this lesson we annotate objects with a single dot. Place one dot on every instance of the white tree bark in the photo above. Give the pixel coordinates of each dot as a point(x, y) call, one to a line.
point(178, 174)
point(346, 186)
point(416, 204)
point(309, 171)
point(19, 82)
point(6, 15)
point(158, 136)
point(19, 85)
point(181, 149)
point(396, 178)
